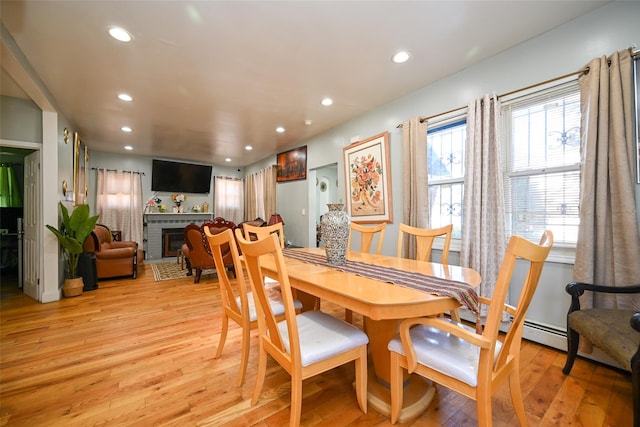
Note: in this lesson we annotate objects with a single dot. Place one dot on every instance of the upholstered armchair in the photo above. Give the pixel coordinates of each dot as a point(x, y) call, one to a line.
point(196, 250)
point(614, 331)
point(113, 258)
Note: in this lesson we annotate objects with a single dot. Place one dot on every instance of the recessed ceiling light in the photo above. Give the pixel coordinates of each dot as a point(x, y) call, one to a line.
point(279, 129)
point(128, 147)
point(228, 159)
point(125, 97)
point(126, 129)
point(400, 57)
point(120, 34)
point(248, 148)
point(327, 101)
point(307, 122)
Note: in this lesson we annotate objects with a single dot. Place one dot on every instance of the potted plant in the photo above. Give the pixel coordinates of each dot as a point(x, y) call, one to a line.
point(74, 230)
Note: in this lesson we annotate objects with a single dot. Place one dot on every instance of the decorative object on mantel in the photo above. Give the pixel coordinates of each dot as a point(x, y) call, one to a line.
point(205, 207)
point(196, 208)
point(162, 208)
point(153, 203)
point(335, 233)
point(178, 199)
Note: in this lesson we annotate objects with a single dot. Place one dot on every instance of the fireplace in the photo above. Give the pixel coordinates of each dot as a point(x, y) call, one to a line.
point(173, 239)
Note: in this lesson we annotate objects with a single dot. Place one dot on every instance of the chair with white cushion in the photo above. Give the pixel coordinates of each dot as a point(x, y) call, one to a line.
point(238, 304)
point(473, 364)
point(304, 344)
point(367, 234)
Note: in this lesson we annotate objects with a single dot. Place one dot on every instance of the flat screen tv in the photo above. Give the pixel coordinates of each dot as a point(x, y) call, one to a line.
point(178, 177)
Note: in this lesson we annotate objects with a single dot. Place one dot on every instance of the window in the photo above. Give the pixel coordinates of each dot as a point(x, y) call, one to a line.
point(445, 167)
point(228, 201)
point(541, 137)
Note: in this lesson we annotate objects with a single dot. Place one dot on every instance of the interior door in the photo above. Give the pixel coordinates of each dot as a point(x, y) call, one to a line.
point(31, 236)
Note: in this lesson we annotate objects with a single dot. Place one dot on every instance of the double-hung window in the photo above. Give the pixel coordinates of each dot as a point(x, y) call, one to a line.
point(541, 138)
point(445, 168)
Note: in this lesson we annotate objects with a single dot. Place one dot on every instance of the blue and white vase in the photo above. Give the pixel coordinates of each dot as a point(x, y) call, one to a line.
point(335, 233)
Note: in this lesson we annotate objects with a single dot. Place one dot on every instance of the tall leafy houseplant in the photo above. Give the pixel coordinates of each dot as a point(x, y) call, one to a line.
point(73, 231)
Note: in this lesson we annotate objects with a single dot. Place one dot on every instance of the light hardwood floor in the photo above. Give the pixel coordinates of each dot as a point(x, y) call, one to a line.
point(140, 353)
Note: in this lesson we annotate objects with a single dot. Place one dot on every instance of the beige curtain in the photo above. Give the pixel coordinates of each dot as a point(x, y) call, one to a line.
point(483, 225)
point(228, 199)
point(270, 191)
point(119, 202)
point(608, 249)
point(415, 194)
point(260, 190)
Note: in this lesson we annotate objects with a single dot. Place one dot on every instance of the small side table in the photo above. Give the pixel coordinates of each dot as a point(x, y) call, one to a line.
point(180, 258)
point(116, 235)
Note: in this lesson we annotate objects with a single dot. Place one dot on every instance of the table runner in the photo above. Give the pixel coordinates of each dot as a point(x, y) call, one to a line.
point(463, 292)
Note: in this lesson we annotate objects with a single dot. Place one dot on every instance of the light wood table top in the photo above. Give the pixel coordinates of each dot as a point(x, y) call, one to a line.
point(383, 305)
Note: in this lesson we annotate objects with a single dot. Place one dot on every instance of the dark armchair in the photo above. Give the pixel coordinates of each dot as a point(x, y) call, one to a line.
point(196, 250)
point(614, 331)
point(113, 258)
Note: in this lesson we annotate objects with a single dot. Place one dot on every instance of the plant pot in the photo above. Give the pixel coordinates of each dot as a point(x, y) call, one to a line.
point(72, 287)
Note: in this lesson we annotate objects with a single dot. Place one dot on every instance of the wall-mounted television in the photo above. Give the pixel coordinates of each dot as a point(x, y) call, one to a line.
point(178, 177)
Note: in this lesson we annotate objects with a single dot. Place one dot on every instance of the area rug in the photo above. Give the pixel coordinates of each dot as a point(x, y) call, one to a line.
point(172, 270)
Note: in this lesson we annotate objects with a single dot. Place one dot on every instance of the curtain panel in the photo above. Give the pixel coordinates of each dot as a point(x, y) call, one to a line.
point(260, 190)
point(608, 248)
point(228, 200)
point(483, 226)
point(415, 208)
point(119, 202)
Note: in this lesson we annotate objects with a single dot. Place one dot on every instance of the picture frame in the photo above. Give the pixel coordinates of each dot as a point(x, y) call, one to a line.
point(291, 165)
point(80, 167)
point(368, 180)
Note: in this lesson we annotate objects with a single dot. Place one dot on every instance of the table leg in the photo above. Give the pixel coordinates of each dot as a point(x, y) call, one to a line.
point(418, 392)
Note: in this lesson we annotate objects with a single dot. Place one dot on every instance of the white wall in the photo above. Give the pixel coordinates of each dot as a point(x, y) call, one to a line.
point(561, 51)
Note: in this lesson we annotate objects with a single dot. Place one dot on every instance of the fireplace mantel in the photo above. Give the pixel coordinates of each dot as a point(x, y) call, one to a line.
point(155, 222)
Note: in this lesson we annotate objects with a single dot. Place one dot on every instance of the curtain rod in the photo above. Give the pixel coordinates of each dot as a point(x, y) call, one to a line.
point(235, 178)
point(116, 170)
point(580, 71)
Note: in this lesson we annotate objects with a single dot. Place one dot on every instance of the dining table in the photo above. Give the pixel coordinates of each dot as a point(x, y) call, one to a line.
point(384, 290)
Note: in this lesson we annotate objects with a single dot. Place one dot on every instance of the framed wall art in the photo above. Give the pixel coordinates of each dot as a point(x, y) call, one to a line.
point(291, 165)
point(368, 180)
point(80, 167)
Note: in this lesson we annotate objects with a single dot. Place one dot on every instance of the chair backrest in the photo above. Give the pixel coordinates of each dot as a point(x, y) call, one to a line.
point(367, 234)
point(424, 238)
point(195, 239)
point(535, 255)
point(220, 244)
point(267, 323)
point(262, 232)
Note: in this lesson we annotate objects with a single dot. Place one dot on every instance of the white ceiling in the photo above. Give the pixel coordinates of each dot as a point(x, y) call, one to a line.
point(209, 77)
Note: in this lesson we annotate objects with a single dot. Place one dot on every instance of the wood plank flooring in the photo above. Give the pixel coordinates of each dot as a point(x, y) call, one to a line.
point(140, 353)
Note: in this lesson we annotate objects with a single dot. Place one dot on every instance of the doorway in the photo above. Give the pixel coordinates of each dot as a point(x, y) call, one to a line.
point(20, 262)
point(323, 192)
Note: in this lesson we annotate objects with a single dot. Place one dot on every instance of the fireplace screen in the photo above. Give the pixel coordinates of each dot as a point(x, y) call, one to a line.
point(173, 239)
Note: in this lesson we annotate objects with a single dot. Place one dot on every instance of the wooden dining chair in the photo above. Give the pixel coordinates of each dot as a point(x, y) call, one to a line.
point(367, 234)
point(455, 356)
point(424, 238)
point(238, 302)
point(252, 232)
point(304, 344)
